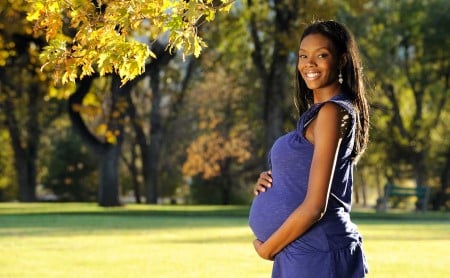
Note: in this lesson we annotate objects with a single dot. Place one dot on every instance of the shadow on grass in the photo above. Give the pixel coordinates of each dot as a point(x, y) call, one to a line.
point(80, 209)
point(47, 219)
point(38, 218)
point(134, 210)
point(402, 216)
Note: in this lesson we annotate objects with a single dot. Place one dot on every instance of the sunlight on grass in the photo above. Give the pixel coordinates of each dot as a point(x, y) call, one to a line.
point(84, 240)
point(61, 243)
point(407, 249)
point(143, 254)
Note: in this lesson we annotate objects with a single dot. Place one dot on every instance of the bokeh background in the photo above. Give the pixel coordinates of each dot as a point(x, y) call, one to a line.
point(153, 178)
point(197, 130)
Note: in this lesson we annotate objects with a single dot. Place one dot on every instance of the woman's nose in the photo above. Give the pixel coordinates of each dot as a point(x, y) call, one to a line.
point(306, 62)
point(310, 61)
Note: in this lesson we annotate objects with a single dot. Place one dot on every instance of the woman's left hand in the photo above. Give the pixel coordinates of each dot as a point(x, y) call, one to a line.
point(260, 250)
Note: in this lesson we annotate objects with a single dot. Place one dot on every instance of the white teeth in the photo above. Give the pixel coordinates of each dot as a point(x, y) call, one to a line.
point(312, 74)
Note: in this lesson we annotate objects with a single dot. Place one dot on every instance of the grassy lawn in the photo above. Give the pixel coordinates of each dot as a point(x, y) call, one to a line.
point(84, 240)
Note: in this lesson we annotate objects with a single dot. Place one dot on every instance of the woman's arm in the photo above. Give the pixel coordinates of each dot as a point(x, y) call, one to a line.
point(327, 135)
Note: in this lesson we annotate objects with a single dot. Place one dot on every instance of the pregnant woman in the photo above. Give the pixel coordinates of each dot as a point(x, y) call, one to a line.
point(301, 212)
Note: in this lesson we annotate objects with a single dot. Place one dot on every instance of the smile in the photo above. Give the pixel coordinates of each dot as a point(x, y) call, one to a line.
point(312, 75)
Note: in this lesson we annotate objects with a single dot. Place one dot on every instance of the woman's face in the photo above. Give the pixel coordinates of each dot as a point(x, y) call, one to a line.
point(317, 63)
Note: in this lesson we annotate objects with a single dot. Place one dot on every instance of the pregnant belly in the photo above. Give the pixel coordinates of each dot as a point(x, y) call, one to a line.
point(270, 209)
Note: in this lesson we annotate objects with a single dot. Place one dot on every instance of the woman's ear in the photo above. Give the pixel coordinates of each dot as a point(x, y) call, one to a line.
point(343, 60)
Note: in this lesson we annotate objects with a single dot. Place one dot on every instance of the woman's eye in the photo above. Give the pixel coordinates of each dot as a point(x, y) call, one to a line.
point(323, 55)
point(302, 56)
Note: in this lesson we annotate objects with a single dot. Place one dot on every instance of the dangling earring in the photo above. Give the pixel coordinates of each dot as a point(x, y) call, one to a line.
point(340, 80)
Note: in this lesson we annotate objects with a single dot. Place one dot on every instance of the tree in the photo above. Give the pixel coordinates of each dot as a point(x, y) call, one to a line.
point(102, 36)
point(23, 88)
point(151, 144)
point(106, 141)
point(273, 25)
point(114, 37)
point(7, 171)
point(70, 171)
point(175, 128)
point(23, 141)
point(151, 107)
point(223, 141)
point(258, 63)
point(222, 110)
point(404, 46)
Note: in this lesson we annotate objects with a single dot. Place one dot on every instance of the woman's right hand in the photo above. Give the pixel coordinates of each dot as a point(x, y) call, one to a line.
point(264, 182)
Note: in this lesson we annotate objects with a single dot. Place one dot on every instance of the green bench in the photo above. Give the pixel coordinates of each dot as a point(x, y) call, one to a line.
point(400, 192)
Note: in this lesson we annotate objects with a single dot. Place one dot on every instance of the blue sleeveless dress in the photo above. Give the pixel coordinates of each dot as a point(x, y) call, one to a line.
point(332, 246)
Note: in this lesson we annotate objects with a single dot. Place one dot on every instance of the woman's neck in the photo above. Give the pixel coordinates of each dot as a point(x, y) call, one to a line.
point(324, 94)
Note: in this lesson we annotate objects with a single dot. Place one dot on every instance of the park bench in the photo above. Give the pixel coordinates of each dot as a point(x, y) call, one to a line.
point(392, 191)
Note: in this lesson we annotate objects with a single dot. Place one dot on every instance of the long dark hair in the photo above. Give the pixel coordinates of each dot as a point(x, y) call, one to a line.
point(353, 85)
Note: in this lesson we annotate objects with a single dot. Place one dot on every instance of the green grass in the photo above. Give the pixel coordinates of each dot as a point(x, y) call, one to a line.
point(84, 240)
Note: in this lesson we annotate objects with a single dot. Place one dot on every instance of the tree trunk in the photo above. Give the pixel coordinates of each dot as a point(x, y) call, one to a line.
point(107, 153)
point(364, 193)
point(154, 149)
point(151, 153)
point(274, 96)
point(141, 140)
point(442, 196)
point(26, 175)
point(227, 182)
point(273, 77)
point(420, 168)
point(131, 164)
point(356, 189)
point(25, 145)
point(134, 172)
point(109, 186)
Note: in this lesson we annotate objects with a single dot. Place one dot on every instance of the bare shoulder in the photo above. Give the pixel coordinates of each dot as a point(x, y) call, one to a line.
point(331, 111)
point(332, 116)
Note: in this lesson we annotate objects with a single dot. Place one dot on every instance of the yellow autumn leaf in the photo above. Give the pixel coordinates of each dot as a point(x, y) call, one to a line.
point(110, 137)
point(101, 129)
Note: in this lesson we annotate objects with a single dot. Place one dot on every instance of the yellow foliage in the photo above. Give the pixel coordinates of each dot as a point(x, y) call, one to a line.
point(104, 39)
point(224, 136)
point(102, 129)
point(110, 137)
point(209, 151)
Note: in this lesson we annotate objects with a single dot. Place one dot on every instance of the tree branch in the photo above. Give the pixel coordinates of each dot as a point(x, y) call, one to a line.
point(257, 55)
point(397, 117)
point(74, 104)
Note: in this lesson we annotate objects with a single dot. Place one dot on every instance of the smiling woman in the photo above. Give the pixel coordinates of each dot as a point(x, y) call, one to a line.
point(301, 212)
point(317, 63)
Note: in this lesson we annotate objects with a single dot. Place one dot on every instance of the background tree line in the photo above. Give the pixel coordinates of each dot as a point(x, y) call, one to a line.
point(197, 130)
